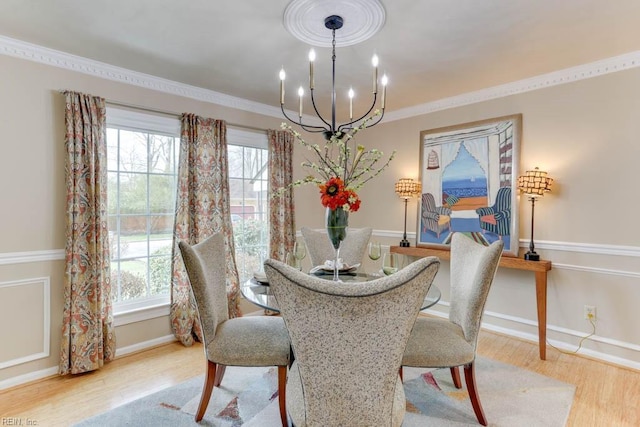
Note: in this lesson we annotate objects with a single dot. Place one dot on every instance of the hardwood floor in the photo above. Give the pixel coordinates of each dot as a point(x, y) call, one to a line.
point(606, 395)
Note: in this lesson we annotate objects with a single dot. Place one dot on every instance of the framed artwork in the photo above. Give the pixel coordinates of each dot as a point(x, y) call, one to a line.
point(469, 183)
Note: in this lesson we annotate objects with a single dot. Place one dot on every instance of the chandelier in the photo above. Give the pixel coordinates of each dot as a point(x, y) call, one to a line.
point(329, 127)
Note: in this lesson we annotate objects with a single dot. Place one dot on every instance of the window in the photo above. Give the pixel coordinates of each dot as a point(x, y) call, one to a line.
point(248, 188)
point(142, 152)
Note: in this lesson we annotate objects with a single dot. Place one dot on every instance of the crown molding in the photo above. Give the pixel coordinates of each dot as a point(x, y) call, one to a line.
point(43, 55)
point(567, 75)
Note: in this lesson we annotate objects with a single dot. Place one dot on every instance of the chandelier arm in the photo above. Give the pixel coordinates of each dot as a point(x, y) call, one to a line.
point(305, 127)
point(344, 125)
point(313, 103)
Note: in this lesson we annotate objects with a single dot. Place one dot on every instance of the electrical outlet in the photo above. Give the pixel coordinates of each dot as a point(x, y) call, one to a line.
point(590, 312)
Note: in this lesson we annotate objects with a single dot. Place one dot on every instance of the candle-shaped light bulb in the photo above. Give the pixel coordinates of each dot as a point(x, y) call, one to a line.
point(384, 81)
point(312, 57)
point(351, 94)
point(300, 94)
point(282, 76)
point(374, 62)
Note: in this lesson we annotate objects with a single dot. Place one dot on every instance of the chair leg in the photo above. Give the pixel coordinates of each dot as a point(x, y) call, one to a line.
point(401, 373)
point(455, 375)
point(470, 379)
point(219, 375)
point(282, 386)
point(207, 389)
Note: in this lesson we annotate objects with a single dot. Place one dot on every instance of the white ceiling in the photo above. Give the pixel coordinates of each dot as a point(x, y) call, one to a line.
point(430, 49)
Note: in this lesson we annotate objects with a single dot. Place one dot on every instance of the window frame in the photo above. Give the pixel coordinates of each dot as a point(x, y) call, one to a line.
point(133, 120)
point(240, 137)
point(125, 119)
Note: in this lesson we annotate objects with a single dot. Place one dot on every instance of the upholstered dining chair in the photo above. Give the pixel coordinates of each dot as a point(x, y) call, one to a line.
point(351, 251)
point(449, 343)
point(240, 341)
point(348, 340)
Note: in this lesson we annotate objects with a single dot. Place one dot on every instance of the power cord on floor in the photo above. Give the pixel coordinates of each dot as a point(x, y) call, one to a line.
point(593, 324)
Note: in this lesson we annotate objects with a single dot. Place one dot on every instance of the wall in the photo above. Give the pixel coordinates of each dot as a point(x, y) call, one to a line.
point(584, 133)
point(33, 204)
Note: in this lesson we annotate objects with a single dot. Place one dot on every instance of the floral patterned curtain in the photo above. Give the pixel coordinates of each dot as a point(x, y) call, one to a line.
point(202, 208)
point(88, 338)
point(281, 211)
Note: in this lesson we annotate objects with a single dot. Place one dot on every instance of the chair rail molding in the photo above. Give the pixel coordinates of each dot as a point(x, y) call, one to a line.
point(9, 258)
point(593, 248)
point(32, 52)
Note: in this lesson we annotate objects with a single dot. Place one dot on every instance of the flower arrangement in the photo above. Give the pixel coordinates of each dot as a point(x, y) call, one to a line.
point(341, 167)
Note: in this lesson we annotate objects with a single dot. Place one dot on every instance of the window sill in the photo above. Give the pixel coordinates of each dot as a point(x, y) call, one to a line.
point(126, 317)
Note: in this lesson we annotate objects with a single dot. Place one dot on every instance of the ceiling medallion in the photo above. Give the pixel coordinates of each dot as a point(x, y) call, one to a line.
point(362, 19)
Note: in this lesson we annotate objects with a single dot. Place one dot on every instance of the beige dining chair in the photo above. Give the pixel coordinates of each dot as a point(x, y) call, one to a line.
point(348, 340)
point(240, 341)
point(351, 251)
point(449, 343)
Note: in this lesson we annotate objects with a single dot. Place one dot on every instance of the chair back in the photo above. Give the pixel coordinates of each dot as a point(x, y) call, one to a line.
point(473, 267)
point(503, 200)
point(348, 340)
point(206, 269)
point(428, 202)
point(351, 251)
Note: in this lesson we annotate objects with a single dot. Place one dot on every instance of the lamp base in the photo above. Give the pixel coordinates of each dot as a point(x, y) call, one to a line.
point(532, 256)
point(404, 243)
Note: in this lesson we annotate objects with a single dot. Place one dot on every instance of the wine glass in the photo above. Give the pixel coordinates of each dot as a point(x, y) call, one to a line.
point(390, 263)
point(374, 254)
point(291, 260)
point(299, 251)
point(374, 251)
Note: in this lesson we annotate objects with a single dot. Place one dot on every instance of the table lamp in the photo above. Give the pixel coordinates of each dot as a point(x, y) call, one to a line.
point(406, 188)
point(534, 184)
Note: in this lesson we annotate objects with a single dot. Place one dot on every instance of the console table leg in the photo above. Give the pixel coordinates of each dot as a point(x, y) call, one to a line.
point(541, 301)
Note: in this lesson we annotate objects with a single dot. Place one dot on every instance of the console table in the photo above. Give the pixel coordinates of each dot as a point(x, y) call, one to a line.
point(540, 268)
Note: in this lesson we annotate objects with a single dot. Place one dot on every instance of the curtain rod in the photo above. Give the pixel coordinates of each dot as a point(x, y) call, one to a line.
point(174, 114)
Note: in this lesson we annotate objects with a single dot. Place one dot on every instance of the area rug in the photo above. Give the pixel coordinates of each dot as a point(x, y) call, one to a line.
point(248, 397)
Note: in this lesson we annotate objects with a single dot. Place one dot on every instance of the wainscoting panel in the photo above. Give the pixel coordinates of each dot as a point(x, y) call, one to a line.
point(24, 320)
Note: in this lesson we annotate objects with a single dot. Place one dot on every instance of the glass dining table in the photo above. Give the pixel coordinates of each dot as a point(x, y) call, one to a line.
point(260, 294)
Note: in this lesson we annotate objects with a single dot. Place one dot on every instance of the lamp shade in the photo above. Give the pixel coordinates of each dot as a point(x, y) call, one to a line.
point(534, 183)
point(407, 188)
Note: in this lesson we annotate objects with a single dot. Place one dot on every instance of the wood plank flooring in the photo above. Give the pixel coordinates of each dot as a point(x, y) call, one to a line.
point(606, 395)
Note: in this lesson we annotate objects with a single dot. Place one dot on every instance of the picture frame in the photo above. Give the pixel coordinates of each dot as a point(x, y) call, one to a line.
point(469, 176)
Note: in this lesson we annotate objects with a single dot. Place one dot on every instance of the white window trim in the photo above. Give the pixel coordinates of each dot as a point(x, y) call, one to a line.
point(147, 312)
point(157, 306)
point(136, 120)
point(247, 138)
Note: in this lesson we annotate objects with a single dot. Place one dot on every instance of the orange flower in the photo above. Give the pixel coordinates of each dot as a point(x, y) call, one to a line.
point(333, 195)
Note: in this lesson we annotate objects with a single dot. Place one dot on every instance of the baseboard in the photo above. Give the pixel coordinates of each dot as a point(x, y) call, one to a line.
point(53, 371)
point(145, 345)
point(28, 378)
point(562, 345)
